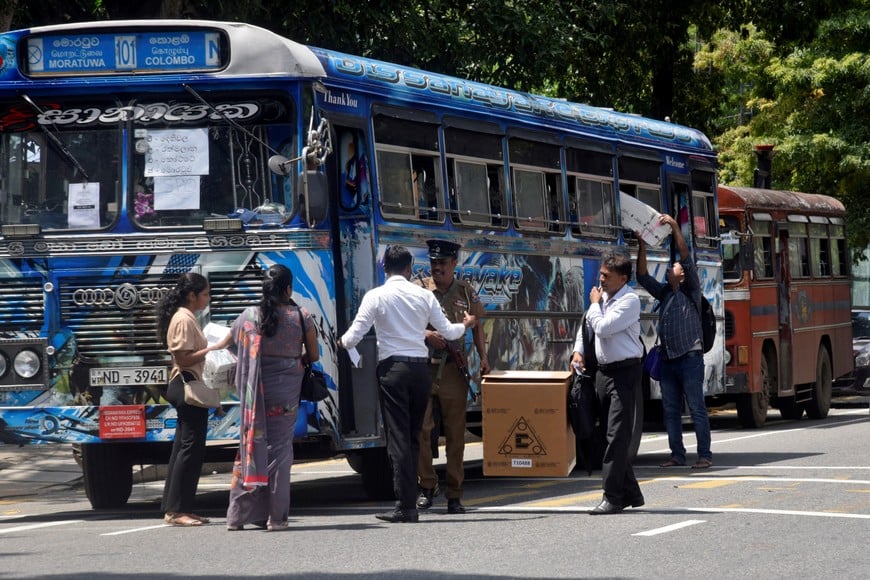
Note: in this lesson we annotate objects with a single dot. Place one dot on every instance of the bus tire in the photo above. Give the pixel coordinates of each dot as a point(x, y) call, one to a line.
point(108, 476)
point(752, 409)
point(376, 471)
point(820, 404)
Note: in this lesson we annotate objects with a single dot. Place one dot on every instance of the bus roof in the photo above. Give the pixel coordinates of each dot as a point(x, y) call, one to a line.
point(742, 198)
point(460, 94)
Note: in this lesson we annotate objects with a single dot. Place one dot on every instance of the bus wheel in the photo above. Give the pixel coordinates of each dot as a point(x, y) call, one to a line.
point(820, 403)
point(376, 471)
point(752, 408)
point(108, 476)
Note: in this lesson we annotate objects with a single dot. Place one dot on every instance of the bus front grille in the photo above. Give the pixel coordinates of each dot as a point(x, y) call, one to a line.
point(115, 319)
point(22, 305)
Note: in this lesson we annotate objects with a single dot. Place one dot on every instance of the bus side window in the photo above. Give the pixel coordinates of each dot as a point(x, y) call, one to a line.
point(536, 176)
point(839, 259)
point(408, 168)
point(798, 251)
point(591, 192)
point(820, 250)
point(763, 249)
point(593, 205)
point(475, 176)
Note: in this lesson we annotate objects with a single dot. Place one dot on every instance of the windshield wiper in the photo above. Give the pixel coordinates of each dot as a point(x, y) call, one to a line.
point(52, 136)
point(226, 118)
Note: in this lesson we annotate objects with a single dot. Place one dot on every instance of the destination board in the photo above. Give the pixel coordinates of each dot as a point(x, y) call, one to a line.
point(124, 52)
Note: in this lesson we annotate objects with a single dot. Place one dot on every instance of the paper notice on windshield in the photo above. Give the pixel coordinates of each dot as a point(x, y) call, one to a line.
point(83, 205)
point(176, 152)
point(179, 192)
point(643, 219)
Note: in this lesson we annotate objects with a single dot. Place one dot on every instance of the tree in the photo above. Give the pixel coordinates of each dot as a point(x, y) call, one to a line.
point(811, 103)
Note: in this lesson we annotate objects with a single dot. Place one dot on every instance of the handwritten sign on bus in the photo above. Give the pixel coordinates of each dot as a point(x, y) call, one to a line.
point(176, 192)
point(176, 152)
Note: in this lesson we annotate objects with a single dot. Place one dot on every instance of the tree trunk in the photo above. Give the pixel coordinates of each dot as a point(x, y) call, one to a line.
point(7, 11)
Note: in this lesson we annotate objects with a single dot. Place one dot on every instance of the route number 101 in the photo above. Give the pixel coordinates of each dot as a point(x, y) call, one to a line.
point(125, 52)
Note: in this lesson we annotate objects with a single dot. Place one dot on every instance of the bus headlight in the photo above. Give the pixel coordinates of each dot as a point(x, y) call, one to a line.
point(727, 356)
point(26, 364)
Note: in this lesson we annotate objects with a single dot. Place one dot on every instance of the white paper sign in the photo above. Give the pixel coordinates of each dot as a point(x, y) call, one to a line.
point(176, 152)
point(181, 192)
point(83, 205)
point(639, 217)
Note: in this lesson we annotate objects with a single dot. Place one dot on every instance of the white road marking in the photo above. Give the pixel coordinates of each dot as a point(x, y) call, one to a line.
point(670, 528)
point(753, 478)
point(136, 530)
point(36, 526)
point(765, 433)
point(780, 512)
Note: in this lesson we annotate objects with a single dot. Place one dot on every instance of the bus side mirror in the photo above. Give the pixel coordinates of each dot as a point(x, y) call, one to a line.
point(747, 256)
point(314, 201)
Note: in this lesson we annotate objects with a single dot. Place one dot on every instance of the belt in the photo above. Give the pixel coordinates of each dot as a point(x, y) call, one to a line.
point(408, 359)
point(691, 353)
point(619, 364)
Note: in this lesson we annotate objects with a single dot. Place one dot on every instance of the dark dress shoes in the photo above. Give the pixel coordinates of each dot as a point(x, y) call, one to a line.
point(400, 516)
point(605, 508)
point(454, 506)
point(424, 502)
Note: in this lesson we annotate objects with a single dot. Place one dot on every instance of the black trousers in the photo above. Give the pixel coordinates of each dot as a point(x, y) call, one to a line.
point(617, 391)
point(185, 463)
point(404, 393)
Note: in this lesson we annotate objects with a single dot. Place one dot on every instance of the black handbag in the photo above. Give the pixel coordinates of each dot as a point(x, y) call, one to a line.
point(313, 385)
point(313, 381)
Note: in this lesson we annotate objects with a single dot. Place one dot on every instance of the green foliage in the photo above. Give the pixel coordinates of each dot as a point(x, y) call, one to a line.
point(792, 73)
point(812, 103)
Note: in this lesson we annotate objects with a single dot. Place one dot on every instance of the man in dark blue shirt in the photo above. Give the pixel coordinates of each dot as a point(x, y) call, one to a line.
point(681, 344)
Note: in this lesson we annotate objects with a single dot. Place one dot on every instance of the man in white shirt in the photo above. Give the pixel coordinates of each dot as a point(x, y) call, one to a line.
point(400, 312)
point(614, 317)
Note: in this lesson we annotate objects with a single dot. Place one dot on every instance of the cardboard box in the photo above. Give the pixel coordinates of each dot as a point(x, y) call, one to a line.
point(525, 424)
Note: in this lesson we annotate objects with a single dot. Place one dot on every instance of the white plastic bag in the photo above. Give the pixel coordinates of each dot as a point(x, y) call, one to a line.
point(220, 365)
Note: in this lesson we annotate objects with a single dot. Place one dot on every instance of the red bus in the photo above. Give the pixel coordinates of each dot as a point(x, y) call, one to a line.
point(787, 301)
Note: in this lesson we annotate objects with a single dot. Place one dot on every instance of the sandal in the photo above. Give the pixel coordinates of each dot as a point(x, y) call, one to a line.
point(278, 527)
point(182, 520)
point(702, 463)
point(203, 519)
point(672, 463)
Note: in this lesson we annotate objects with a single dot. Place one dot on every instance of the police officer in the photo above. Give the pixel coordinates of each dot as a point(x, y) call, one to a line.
point(449, 385)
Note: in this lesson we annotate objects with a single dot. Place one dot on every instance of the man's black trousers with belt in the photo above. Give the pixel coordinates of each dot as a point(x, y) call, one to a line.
point(617, 390)
point(405, 387)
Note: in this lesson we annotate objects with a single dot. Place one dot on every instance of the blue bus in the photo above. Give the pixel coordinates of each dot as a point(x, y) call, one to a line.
point(132, 151)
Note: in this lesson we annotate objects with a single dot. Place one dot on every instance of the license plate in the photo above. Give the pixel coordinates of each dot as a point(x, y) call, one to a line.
point(128, 376)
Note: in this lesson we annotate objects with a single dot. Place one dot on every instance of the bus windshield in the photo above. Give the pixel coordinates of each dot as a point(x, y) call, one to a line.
point(61, 161)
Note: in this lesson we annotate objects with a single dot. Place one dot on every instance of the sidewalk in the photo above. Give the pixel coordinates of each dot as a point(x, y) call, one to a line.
point(29, 470)
point(33, 469)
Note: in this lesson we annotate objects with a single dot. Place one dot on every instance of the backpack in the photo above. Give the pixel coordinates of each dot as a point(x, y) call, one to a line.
point(708, 323)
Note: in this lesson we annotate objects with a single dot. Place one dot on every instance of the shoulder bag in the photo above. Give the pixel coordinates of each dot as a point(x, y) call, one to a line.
point(195, 392)
point(313, 382)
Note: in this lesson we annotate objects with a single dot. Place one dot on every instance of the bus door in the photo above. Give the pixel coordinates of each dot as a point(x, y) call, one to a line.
point(355, 273)
point(679, 208)
point(783, 282)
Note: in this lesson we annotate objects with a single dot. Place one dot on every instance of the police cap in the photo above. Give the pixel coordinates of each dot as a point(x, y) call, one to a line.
point(440, 249)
